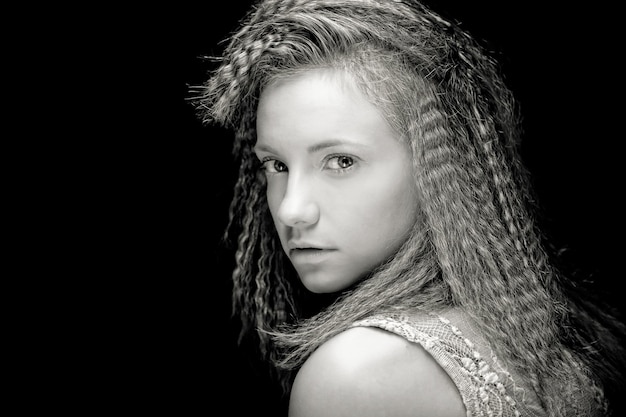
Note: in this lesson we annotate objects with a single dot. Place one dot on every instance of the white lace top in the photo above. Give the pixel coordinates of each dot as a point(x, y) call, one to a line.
point(486, 386)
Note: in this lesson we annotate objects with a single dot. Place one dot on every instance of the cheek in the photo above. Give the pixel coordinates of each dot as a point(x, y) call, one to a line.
point(389, 219)
point(391, 196)
point(274, 194)
point(389, 210)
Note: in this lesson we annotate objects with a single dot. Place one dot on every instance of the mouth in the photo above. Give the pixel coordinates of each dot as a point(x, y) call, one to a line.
point(305, 251)
point(308, 255)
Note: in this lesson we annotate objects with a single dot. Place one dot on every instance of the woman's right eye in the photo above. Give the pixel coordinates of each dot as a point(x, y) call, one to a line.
point(273, 166)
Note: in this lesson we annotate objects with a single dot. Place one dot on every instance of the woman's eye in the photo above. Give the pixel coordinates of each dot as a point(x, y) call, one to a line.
point(340, 162)
point(274, 166)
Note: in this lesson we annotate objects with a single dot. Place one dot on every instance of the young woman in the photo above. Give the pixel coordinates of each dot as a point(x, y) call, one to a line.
point(389, 255)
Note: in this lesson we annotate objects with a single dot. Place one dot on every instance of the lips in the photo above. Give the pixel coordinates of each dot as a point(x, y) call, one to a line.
point(308, 255)
point(301, 245)
point(305, 252)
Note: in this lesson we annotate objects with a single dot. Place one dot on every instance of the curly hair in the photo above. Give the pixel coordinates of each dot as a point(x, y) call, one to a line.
point(476, 245)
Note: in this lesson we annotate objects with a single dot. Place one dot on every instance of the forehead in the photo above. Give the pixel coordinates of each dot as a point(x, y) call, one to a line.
point(340, 80)
point(325, 94)
point(317, 110)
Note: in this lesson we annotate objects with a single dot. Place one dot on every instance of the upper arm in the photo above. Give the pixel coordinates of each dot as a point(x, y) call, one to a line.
point(370, 372)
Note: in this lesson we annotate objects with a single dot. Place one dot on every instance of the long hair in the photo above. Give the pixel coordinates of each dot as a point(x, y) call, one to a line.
point(476, 245)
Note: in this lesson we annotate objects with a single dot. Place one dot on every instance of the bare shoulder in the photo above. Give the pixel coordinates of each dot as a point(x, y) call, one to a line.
point(366, 372)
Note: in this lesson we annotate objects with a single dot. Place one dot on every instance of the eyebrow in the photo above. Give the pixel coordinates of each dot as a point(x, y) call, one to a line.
point(316, 147)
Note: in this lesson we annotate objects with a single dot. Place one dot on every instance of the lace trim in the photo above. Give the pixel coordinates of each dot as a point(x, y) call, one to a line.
point(482, 389)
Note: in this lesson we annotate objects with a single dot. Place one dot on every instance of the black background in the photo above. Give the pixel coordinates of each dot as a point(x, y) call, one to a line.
point(172, 179)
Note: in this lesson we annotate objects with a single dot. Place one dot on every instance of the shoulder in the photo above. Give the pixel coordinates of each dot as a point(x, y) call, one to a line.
point(366, 371)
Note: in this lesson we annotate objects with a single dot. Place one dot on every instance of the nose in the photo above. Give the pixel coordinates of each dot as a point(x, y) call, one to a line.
point(298, 207)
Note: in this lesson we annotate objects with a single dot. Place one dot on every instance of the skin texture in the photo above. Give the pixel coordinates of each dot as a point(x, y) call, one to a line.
point(341, 191)
point(341, 186)
point(370, 372)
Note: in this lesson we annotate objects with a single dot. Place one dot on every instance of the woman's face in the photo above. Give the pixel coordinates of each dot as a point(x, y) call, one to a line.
point(340, 183)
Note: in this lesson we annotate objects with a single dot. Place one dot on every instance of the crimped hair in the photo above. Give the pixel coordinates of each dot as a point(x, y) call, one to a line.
point(476, 244)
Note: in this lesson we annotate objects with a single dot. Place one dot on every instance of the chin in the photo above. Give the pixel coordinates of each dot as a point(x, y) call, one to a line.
point(319, 285)
point(324, 284)
point(318, 288)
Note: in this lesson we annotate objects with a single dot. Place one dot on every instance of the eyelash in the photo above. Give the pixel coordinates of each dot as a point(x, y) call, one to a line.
point(265, 164)
point(338, 157)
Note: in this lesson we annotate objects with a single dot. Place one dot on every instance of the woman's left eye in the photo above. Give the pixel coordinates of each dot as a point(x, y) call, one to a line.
point(340, 162)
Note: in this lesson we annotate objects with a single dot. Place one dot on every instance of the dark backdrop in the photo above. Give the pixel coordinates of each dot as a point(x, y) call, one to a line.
point(561, 63)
